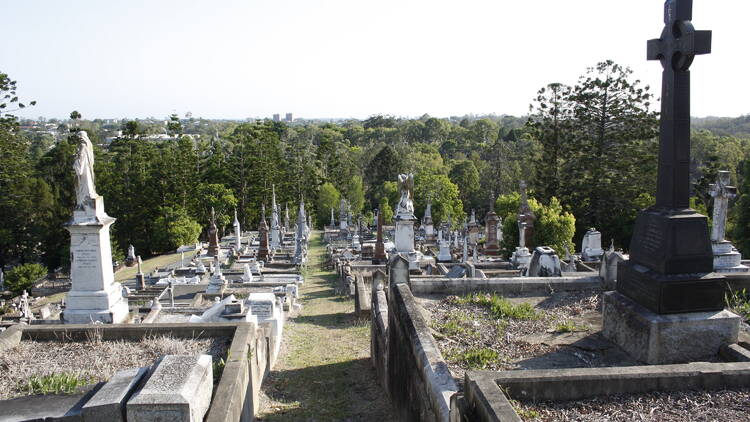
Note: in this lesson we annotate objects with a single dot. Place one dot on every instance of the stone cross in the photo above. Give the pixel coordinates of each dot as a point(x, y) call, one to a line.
point(676, 49)
point(722, 193)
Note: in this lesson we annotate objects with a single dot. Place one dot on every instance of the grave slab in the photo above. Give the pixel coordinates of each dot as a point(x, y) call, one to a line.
point(179, 389)
point(108, 404)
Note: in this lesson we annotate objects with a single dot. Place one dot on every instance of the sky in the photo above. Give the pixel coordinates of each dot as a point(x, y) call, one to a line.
point(237, 59)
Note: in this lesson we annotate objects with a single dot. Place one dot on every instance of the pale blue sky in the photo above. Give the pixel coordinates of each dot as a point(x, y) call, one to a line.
point(344, 58)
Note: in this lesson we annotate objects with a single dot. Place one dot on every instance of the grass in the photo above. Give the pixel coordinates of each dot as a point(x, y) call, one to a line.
point(524, 414)
point(150, 264)
point(59, 383)
point(457, 324)
point(570, 327)
point(738, 302)
point(501, 307)
point(477, 358)
point(323, 372)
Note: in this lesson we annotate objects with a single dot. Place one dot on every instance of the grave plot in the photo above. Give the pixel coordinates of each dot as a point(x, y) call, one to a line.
point(489, 331)
point(62, 365)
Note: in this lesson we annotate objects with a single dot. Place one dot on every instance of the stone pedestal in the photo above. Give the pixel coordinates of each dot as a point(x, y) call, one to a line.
point(727, 259)
point(94, 295)
point(492, 245)
point(659, 339)
point(671, 264)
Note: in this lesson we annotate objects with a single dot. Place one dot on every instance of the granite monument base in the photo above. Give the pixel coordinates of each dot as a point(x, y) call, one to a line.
point(671, 293)
point(666, 339)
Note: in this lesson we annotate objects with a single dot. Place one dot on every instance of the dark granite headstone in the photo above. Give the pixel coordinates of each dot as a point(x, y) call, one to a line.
point(671, 260)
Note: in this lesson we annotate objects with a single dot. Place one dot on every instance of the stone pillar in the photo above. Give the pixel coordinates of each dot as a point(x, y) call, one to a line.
point(379, 256)
point(213, 236)
point(263, 251)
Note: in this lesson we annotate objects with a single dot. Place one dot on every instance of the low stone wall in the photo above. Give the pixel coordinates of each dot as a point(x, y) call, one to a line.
point(504, 286)
point(417, 378)
point(485, 391)
point(379, 328)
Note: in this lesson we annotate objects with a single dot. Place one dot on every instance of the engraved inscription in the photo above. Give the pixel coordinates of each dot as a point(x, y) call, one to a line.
point(263, 310)
point(86, 256)
point(652, 236)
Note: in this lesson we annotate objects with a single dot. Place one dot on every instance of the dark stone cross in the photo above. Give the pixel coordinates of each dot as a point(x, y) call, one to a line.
point(671, 260)
point(676, 49)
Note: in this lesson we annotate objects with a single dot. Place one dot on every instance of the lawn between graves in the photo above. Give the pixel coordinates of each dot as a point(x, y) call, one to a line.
point(324, 371)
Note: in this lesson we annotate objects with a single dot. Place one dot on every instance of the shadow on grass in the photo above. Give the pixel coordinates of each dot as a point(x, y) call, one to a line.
point(337, 320)
point(334, 392)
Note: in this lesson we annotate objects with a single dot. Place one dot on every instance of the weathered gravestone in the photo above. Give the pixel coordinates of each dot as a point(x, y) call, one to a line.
point(493, 222)
point(544, 263)
point(213, 236)
point(591, 246)
point(178, 389)
point(668, 307)
point(726, 258)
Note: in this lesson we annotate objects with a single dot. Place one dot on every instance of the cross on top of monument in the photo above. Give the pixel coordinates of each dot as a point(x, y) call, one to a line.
point(679, 42)
point(676, 49)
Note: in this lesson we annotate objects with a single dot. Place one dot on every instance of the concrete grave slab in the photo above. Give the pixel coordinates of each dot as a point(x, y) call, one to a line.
point(179, 389)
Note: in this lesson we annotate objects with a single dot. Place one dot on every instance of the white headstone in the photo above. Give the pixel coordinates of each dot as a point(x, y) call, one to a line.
point(591, 246)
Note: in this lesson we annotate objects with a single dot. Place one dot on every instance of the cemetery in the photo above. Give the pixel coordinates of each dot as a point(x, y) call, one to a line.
point(416, 298)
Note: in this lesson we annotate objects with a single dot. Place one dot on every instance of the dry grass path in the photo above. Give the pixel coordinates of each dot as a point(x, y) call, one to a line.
point(324, 371)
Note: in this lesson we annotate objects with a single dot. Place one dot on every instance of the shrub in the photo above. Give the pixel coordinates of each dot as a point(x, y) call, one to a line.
point(22, 277)
point(62, 383)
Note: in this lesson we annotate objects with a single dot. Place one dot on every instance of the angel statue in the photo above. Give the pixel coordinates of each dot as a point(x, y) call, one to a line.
point(406, 204)
point(84, 168)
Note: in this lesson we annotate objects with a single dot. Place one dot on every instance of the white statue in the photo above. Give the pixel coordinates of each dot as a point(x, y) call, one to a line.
point(84, 168)
point(406, 204)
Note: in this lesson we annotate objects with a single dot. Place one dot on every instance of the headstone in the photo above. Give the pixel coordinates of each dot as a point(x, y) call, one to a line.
point(213, 236)
point(473, 229)
point(140, 278)
point(526, 216)
point(275, 225)
point(591, 246)
point(427, 224)
point(379, 256)
point(247, 276)
point(521, 258)
point(727, 258)
point(333, 220)
point(544, 263)
point(444, 254)
point(130, 260)
point(178, 389)
point(300, 237)
point(405, 219)
point(286, 217)
point(671, 260)
point(94, 295)
point(343, 220)
point(264, 254)
point(492, 221)
point(237, 233)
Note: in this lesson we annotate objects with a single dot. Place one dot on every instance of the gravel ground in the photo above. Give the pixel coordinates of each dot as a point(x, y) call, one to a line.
point(694, 406)
point(461, 327)
point(95, 359)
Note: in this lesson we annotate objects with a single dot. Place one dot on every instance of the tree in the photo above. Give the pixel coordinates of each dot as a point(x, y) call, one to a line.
point(551, 126)
point(174, 229)
point(466, 176)
point(611, 159)
point(443, 193)
point(553, 226)
point(23, 277)
point(385, 166)
point(741, 232)
point(328, 198)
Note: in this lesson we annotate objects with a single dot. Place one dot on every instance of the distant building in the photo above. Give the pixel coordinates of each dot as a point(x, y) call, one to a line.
point(276, 117)
point(288, 117)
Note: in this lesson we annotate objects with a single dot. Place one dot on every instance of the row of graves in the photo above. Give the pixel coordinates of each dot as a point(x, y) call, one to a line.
point(192, 341)
point(462, 334)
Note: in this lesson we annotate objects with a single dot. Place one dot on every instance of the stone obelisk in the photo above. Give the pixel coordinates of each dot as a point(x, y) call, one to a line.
point(94, 295)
